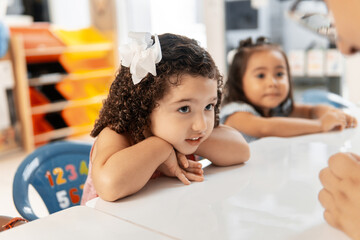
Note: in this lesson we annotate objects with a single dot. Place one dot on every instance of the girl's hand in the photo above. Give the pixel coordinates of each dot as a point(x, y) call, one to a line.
point(189, 165)
point(351, 121)
point(171, 168)
point(332, 120)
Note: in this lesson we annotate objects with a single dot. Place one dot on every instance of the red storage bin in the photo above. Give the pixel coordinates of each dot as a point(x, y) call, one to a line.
point(40, 44)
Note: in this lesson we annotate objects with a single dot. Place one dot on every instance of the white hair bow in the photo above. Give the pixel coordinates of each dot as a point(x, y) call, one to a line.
point(141, 55)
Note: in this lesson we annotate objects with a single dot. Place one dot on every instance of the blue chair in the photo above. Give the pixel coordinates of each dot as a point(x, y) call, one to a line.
point(316, 96)
point(57, 171)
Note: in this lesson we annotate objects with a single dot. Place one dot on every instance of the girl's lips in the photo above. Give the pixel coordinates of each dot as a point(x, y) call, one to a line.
point(194, 141)
point(272, 95)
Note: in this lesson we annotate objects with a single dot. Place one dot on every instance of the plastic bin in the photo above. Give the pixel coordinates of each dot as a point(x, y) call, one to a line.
point(82, 38)
point(81, 116)
point(73, 65)
point(84, 88)
point(40, 44)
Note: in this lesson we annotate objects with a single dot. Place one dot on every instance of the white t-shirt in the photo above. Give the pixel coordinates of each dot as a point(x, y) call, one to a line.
point(234, 107)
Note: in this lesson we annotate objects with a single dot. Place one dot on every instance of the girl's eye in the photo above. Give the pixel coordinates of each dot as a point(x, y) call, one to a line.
point(280, 74)
point(209, 107)
point(260, 75)
point(184, 109)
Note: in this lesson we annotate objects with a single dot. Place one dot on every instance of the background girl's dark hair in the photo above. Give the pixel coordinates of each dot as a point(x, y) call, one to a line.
point(234, 91)
point(128, 107)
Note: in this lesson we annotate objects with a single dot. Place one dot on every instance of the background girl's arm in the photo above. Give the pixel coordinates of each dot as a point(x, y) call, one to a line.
point(120, 169)
point(225, 146)
point(283, 126)
point(320, 111)
point(311, 112)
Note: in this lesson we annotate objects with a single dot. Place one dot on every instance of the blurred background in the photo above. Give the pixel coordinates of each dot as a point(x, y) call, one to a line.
point(62, 55)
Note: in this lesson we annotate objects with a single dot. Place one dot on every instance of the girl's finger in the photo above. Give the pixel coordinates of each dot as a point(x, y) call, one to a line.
point(195, 170)
point(181, 176)
point(194, 164)
point(194, 177)
point(182, 159)
point(354, 122)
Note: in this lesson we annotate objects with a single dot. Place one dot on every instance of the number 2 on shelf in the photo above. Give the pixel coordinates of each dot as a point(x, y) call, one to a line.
point(59, 178)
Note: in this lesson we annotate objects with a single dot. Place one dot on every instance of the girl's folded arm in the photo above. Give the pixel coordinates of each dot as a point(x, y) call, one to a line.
point(272, 126)
point(225, 146)
point(119, 169)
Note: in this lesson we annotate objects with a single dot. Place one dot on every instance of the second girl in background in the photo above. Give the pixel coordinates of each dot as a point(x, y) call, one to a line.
point(258, 99)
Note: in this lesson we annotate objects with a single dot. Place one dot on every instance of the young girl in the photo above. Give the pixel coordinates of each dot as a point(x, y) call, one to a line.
point(162, 106)
point(258, 100)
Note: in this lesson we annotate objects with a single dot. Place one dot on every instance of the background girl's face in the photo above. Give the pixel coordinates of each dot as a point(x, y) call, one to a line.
point(185, 116)
point(266, 81)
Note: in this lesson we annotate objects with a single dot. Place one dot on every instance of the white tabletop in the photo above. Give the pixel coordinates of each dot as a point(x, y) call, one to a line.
point(273, 196)
point(80, 223)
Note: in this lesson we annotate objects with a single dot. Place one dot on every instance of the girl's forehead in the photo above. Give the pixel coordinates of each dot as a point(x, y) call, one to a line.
point(266, 56)
point(192, 85)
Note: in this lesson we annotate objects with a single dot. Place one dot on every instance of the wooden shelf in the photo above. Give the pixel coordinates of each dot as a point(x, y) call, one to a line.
point(58, 106)
point(53, 78)
point(62, 133)
point(21, 57)
point(69, 49)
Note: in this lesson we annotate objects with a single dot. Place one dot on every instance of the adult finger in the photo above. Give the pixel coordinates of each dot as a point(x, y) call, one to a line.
point(345, 165)
point(327, 200)
point(331, 219)
point(329, 180)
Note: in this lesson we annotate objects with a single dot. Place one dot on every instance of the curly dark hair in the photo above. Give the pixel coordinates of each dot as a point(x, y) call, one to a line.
point(233, 88)
point(128, 107)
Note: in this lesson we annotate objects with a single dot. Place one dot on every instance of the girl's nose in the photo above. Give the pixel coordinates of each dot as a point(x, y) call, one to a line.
point(272, 81)
point(199, 124)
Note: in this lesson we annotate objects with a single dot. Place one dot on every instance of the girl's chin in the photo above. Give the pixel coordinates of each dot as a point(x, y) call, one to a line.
point(186, 151)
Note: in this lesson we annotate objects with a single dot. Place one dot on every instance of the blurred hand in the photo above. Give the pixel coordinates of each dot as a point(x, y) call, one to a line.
point(333, 120)
point(341, 193)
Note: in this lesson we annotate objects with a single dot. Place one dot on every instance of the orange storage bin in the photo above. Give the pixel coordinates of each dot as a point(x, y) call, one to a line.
point(80, 116)
point(73, 65)
point(83, 38)
point(40, 44)
point(84, 88)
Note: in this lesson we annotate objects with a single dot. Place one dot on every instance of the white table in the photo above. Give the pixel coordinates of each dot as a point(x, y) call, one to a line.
point(273, 196)
point(81, 223)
